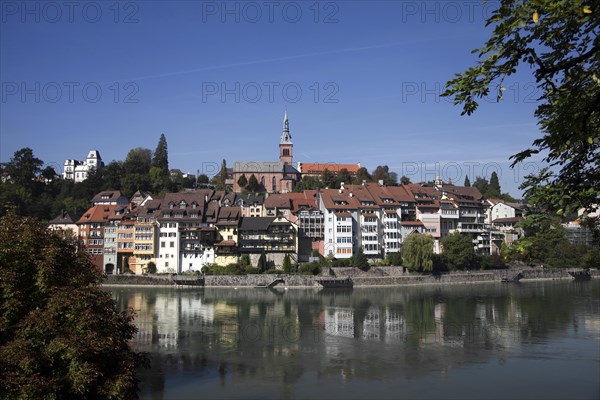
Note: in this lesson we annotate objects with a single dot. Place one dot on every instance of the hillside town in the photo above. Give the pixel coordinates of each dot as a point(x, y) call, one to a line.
point(185, 231)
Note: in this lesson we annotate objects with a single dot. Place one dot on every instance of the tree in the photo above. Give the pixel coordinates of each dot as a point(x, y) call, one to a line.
point(245, 261)
point(458, 251)
point(203, 179)
point(405, 180)
point(220, 180)
point(151, 268)
point(382, 173)
point(360, 261)
point(23, 167)
point(467, 181)
point(253, 185)
point(344, 176)
point(138, 161)
point(493, 191)
point(481, 184)
point(362, 175)
point(417, 252)
point(61, 335)
point(328, 178)
point(287, 264)
point(262, 263)
point(242, 182)
point(112, 175)
point(558, 40)
point(161, 156)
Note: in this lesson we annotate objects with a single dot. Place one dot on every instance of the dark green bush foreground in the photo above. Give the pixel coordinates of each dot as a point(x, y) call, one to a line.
point(61, 336)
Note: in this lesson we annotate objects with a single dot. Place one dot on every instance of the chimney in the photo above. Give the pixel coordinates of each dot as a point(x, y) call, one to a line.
point(363, 182)
point(381, 182)
point(342, 185)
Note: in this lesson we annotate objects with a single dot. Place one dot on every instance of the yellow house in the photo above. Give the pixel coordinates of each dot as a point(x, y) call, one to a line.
point(226, 251)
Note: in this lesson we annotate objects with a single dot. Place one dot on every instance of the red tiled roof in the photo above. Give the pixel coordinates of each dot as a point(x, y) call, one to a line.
point(318, 168)
point(343, 214)
point(411, 223)
point(97, 213)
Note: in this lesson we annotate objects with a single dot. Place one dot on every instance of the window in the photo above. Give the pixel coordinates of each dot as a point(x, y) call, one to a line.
point(172, 244)
point(274, 183)
point(162, 244)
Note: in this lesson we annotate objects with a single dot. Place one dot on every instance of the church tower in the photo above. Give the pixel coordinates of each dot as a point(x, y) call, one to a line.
point(285, 145)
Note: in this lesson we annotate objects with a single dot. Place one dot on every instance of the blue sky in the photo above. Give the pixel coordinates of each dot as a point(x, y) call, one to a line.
point(360, 81)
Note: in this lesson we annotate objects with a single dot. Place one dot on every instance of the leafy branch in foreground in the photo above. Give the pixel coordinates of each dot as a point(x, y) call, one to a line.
point(559, 40)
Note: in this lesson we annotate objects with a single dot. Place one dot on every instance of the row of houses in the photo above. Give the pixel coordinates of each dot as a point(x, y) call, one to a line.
point(188, 230)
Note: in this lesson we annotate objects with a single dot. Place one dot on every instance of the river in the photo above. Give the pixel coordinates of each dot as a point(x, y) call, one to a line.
point(497, 340)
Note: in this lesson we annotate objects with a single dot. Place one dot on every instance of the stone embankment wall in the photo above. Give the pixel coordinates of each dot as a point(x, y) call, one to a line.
point(377, 276)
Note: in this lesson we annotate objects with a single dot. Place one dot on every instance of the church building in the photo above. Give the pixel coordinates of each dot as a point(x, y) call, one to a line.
point(272, 176)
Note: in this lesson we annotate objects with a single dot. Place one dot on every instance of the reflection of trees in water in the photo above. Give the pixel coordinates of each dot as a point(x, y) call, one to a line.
point(436, 327)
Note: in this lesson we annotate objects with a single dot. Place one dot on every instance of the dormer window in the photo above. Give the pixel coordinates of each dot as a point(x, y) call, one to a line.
point(194, 205)
point(182, 204)
point(171, 205)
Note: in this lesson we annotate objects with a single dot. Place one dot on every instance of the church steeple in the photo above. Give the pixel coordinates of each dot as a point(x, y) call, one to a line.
point(285, 144)
point(286, 137)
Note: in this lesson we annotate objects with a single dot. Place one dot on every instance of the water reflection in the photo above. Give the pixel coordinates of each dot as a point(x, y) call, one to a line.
point(298, 343)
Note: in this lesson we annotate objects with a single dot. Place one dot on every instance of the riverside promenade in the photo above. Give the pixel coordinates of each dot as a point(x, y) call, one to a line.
point(376, 276)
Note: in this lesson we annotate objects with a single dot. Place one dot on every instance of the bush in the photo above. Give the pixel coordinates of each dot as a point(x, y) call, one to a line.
point(272, 272)
point(394, 259)
point(245, 261)
point(309, 269)
point(591, 259)
point(151, 268)
point(251, 270)
point(493, 261)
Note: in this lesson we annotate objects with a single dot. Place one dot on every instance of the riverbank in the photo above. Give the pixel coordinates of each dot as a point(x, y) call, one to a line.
point(376, 276)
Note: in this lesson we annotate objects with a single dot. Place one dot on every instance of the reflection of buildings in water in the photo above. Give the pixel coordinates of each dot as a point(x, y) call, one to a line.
point(395, 327)
point(192, 309)
point(339, 322)
point(592, 325)
point(158, 323)
point(371, 327)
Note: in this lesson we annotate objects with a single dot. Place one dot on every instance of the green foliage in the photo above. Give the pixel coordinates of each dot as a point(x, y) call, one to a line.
point(220, 179)
point(309, 269)
point(253, 185)
point(458, 251)
point(591, 259)
point(245, 261)
point(561, 48)
point(328, 178)
point(405, 180)
point(287, 264)
point(161, 156)
point(493, 191)
point(546, 243)
point(360, 261)
point(394, 259)
point(229, 269)
point(61, 336)
point(362, 175)
point(467, 181)
point(242, 182)
point(262, 263)
point(493, 261)
point(151, 268)
point(417, 251)
point(383, 173)
point(308, 183)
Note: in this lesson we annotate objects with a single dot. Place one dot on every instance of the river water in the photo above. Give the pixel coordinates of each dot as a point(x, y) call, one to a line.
point(527, 340)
